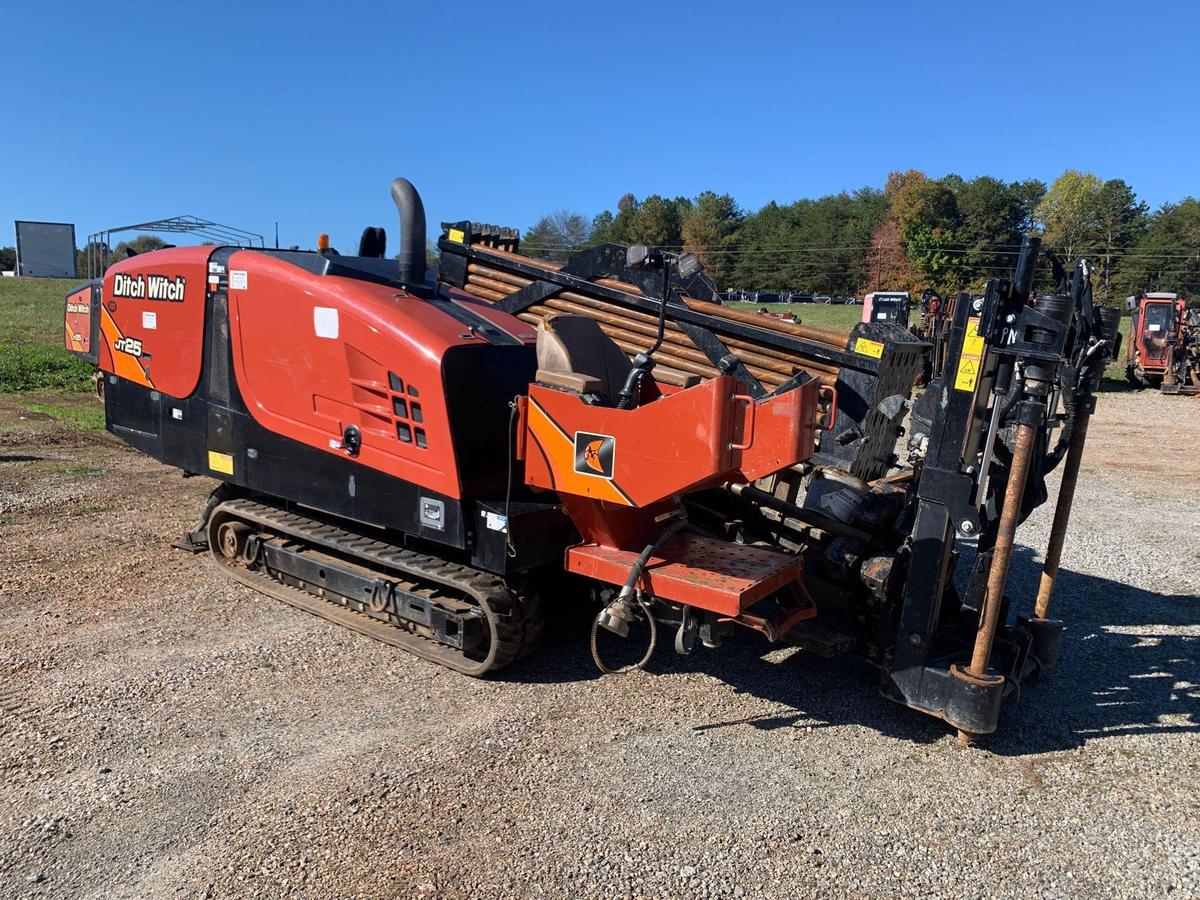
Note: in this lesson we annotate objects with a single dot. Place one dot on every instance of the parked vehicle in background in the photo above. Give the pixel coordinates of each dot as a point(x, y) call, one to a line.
point(1154, 330)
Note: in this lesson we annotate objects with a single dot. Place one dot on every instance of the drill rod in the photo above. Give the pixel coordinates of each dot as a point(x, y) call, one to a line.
point(1002, 554)
point(1062, 514)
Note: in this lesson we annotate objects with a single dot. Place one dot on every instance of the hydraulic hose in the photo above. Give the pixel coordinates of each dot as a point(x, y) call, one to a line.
point(607, 670)
point(639, 564)
point(629, 588)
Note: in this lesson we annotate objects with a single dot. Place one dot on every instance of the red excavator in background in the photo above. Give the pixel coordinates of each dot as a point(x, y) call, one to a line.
point(1155, 330)
point(430, 461)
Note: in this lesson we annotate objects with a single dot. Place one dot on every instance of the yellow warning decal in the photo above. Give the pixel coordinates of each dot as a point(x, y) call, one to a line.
point(863, 347)
point(971, 358)
point(220, 462)
point(457, 235)
point(968, 374)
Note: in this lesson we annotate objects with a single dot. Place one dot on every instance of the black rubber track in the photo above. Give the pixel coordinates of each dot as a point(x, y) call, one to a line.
point(514, 624)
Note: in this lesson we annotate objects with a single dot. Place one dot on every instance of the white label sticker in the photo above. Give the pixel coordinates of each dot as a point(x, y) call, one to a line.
point(149, 319)
point(495, 521)
point(177, 413)
point(1154, 328)
point(238, 279)
point(325, 321)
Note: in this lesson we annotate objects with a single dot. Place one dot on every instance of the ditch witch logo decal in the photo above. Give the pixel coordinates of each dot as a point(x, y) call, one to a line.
point(594, 454)
point(149, 287)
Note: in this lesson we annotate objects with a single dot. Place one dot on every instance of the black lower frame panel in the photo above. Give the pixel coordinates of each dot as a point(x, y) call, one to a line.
point(967, 705)
point(181, 433)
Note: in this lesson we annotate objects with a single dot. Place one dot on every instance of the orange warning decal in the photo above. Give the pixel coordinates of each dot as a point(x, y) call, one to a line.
point(568, 459)
point(126, 351)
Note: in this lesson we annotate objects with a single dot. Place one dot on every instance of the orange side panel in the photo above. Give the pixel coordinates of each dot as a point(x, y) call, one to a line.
point(782, 430)
point(558, 450)
point(315, 354)
point(153, 319)
point(686, 440)
point(635, 456)
point(78, 322)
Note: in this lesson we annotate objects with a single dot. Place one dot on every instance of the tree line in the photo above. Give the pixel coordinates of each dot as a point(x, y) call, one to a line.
point(948, 234)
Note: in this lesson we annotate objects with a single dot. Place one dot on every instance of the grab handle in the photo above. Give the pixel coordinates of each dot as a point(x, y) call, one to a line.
point(748, 433)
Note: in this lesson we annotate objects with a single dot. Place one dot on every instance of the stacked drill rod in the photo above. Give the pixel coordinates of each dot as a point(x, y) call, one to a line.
point(634, 331)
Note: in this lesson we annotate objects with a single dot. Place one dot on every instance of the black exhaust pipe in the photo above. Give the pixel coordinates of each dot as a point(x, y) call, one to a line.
point(412, 231)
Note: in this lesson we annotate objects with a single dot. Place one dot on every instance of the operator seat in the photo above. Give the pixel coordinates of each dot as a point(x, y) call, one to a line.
point(575, 355)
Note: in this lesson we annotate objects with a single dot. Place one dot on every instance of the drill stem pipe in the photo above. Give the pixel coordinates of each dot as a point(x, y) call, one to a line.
point(1062, 515)
point(993, 599)
point(495, 280)
point(676, 337)
point(769, 370)
point(634, 343)
point(820, 335)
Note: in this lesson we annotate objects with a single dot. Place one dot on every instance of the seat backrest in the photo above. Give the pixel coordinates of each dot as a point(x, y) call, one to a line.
point(573, 352)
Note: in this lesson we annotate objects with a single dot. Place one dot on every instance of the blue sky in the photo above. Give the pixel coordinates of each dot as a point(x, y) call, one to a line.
point(248, 113)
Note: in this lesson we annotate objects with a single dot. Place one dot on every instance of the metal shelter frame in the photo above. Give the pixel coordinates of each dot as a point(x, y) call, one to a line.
point(99, 244)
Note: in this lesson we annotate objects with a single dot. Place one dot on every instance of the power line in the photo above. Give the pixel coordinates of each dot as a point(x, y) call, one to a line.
point(796, 250)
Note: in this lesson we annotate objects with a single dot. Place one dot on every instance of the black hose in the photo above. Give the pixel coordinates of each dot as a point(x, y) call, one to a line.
point(639, 564)
point(662, 310)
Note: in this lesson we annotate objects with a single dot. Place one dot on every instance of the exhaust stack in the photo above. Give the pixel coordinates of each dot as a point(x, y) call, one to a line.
point(412, 231)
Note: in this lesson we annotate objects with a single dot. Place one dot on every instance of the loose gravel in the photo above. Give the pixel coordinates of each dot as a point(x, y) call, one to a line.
point(165, 732)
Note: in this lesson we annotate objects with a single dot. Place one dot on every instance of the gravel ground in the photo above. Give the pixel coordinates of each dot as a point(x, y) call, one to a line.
point(164, 732)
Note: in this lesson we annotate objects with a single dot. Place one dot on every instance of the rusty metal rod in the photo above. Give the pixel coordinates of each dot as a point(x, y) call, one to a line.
point(495, 279)
point(534, 316)
point(499, 274)
point(674, 336)
point(820, 335)
point(627, 339)
point(769, 323)
point(993, 599)
point(494, 284)
point(1062, 515)
point(485, 293)
point(733, 343)
point(767, 369)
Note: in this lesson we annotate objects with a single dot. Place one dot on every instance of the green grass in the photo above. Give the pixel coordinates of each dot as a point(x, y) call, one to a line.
point(32, 356)
point(85, 417)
